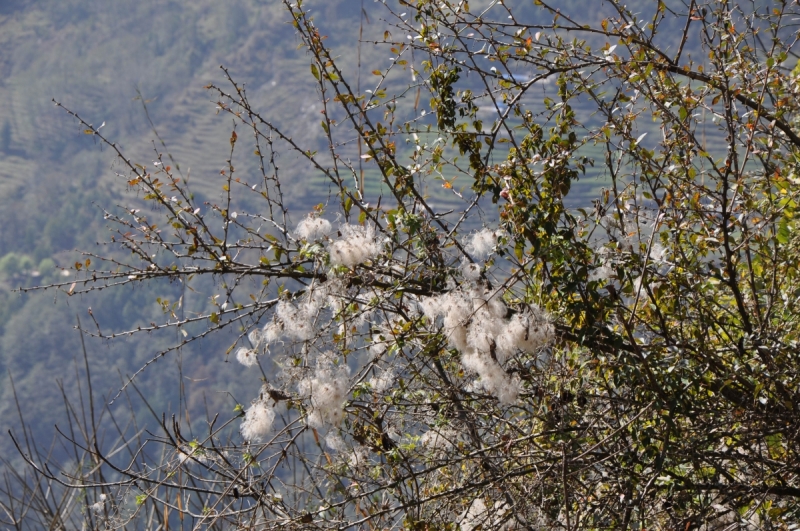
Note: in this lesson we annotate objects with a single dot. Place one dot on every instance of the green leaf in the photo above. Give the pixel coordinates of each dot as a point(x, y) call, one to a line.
point(315, 71)
point(783, 233)
point(519, 248)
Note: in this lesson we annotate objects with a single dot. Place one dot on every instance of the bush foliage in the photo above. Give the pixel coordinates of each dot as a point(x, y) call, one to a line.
point(455, 342)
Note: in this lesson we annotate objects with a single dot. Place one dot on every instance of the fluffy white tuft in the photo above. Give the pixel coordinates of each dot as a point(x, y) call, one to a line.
point(298, 321)
point(271, 332)
point(256, 337)
point(604, 271)
point(335, 442)
point(257, 421)
point(455, 308)
point(328, 388)
point(493, 378)
point(97, 507)
point(482, 243)
point(527, 332)
point(246, 357)
point(382, 383)
point(312, 229)
point(471, 271)
point(476, 323)
point(356, 246)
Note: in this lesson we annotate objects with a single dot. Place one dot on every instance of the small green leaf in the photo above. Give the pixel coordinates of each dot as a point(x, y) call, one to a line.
point(783, 234)
point(315, 71)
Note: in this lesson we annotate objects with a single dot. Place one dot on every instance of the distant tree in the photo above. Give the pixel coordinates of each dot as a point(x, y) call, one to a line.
point(626, 359)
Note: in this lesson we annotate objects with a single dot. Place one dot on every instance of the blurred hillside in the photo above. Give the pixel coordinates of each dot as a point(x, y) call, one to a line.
point(95, 57)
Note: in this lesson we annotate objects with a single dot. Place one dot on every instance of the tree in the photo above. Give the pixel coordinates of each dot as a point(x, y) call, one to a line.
point(621, 360)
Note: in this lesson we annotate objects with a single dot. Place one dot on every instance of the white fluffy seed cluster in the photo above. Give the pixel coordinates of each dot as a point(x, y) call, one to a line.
point(298, 319)
point(471, 271)
point(335, 442)
point(271, 333)
point(259, 341)
point(246, 356)
point(482, 243)
point(313, 229)
point(257, 420)
point(357, 245)
point(477, 324)
point(97, 507)
point(381, 384)
point(328, 388)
